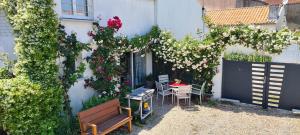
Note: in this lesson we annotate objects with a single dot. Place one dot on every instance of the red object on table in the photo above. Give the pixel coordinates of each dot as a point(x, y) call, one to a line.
point(174, 84)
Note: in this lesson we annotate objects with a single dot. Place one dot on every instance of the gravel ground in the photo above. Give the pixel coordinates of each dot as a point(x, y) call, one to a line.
point(220, 119)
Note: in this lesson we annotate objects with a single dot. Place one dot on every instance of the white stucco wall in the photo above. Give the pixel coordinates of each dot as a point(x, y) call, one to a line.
point(137, 17)
point(6, 37)
point(181, 17)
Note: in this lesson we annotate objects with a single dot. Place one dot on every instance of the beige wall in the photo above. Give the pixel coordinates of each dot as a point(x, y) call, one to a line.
point(225, 4)
point(293, 16)
point(218, 4)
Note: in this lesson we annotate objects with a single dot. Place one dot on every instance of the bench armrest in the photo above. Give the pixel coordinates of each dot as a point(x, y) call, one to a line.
point(128, 110)
point(94, 128)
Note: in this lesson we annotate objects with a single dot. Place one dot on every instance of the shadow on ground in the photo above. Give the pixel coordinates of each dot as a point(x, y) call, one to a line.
point(160, 111)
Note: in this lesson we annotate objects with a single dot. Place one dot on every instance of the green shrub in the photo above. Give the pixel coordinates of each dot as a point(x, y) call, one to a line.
point(94, 101)
point(5, 74)
point(28, 108)
point(32, 102)
point(248, 58)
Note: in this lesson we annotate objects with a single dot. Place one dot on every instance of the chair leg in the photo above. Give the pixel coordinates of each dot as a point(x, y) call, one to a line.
point(200, 99)
point(172, 98)
point(129, 126)
point(163, 98)
point(177, 101)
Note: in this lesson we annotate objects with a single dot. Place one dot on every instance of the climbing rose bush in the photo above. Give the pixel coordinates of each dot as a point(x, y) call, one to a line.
point(201, 57)
point(105, 58)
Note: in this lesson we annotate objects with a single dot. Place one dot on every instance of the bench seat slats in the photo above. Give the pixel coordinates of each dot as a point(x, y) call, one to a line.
point(117, 120)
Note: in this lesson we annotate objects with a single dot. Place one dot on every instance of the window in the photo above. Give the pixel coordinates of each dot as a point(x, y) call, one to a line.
point(67, 7)
point(78, 9)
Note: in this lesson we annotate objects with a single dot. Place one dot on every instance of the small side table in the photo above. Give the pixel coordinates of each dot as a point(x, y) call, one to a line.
point(142, 95)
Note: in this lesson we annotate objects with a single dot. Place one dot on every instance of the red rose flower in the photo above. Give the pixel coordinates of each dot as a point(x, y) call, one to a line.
point(114, 23)
point(109, 78)
point(91, 34)
point(127, 82)
point(99, 70)
point(100, 59)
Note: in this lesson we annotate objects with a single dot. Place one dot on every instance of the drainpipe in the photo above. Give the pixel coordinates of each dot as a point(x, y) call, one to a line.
point(155, 12)
point(281, 21)
point(203, 17)
point(132, 71)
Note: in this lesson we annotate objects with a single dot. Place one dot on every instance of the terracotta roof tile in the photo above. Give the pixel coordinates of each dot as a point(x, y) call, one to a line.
point(236, 16)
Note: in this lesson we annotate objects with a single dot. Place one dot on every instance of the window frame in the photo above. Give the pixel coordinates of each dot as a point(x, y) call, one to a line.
point(74, 10)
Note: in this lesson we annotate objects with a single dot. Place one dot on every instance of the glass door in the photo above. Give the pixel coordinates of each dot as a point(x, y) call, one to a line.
point(139, 69)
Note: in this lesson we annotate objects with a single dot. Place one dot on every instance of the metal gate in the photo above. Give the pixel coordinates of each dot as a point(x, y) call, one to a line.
point(265, 84)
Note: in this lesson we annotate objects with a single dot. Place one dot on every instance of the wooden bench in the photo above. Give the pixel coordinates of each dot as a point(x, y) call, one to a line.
point(104, 118)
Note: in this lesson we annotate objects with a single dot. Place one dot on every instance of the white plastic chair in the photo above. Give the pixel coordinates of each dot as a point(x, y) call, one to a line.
point(198, 90)
point(163, 91)
point(184, 92)
point(163, 79)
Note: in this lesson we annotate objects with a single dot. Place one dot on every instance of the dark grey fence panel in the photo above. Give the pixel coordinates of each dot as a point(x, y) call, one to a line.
point(236, 81)
point(268, 84)
point(290, 94)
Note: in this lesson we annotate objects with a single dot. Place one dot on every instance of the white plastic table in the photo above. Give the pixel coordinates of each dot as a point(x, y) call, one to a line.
point(142, 95)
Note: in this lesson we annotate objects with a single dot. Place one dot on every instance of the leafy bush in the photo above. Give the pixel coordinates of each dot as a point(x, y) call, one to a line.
point(97, 100)
point(94, 101)
point(32, 102)
point(27, 108)
point(247, 58)
point(5, 74)
point(6, 71)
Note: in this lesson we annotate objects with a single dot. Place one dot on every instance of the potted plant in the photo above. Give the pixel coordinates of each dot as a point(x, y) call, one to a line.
point(149, 81)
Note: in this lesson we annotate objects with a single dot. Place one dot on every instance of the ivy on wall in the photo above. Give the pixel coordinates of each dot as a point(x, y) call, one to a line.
point(31, 102)
point(6, 71)
point(69, 49)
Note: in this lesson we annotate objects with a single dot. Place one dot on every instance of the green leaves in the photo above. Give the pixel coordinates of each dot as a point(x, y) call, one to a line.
point(28, 108)
point(202, 57)
point(247, 58)
point(32, 102)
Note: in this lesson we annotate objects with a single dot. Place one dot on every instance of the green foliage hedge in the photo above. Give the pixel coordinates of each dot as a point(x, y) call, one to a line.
point(94, 101)
point(27, 107)
point(247, 57)
point(5, 74)
point(32, 102)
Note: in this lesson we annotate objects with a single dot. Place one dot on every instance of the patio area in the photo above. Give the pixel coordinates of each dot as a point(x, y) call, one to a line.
point(217, 119)
point(96, 67)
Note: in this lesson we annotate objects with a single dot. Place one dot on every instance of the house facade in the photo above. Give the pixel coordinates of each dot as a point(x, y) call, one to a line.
point(138, 16)
point(292, 11)
point(180, 17)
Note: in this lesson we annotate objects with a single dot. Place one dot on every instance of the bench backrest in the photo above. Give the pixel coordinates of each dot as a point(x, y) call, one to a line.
point(99, 113)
